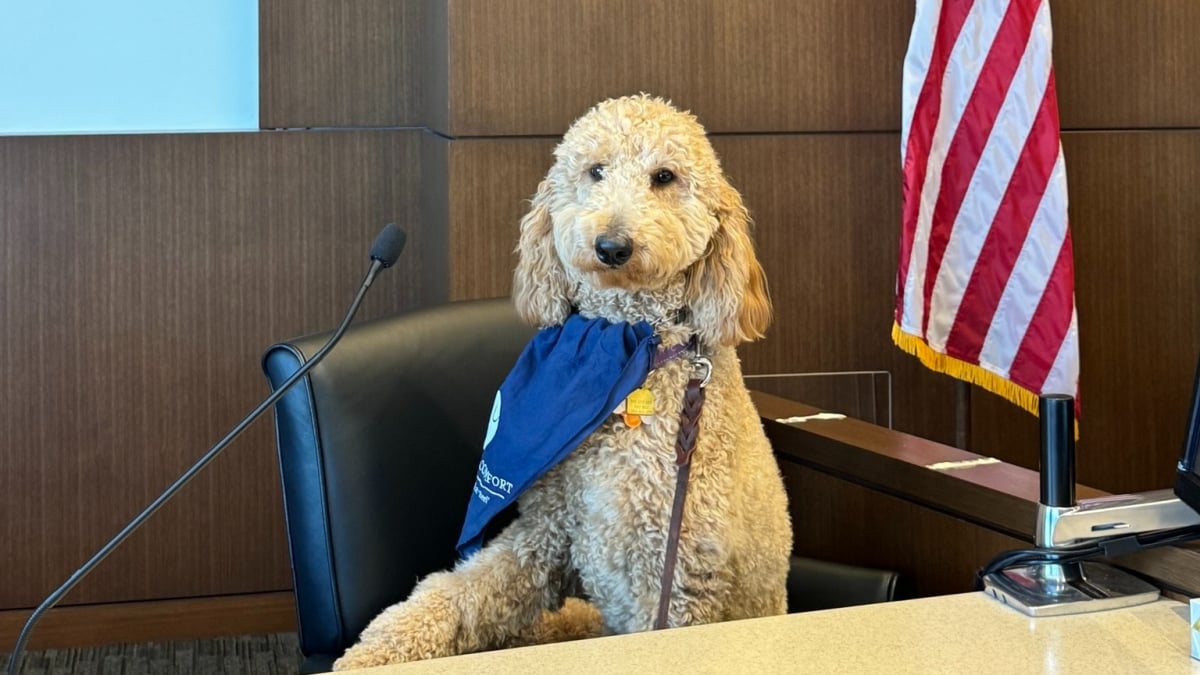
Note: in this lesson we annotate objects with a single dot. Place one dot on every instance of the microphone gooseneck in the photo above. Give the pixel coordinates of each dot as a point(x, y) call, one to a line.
point(384, 252)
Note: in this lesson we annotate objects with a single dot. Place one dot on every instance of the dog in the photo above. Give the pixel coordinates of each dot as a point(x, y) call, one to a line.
point(635, 221)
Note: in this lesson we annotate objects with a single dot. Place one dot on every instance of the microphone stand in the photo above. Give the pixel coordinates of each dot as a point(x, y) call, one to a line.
point(379, 261)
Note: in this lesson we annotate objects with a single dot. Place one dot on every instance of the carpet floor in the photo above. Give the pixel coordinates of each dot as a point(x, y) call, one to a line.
point(276, 654)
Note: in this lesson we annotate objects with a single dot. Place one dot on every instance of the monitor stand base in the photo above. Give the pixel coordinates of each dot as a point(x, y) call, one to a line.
point(1055, 589)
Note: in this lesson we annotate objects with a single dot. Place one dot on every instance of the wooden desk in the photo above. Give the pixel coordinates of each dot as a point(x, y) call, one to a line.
point(967, 633)
point(867, 495)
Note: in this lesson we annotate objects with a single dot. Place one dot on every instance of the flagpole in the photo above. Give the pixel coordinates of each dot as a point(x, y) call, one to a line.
point(962, 414)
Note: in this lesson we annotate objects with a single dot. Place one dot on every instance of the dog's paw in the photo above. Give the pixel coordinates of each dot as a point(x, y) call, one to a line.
point(363, 656)
point(575, 620)
point(424, 627)
point(395, 648)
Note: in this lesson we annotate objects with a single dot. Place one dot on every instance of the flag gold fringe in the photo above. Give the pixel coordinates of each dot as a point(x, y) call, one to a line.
point(968, 372)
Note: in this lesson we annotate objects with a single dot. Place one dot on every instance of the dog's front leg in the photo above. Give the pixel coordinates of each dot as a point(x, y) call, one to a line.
point(485, 602)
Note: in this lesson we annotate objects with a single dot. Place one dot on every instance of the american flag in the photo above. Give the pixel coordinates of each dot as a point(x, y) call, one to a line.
point(985, 289)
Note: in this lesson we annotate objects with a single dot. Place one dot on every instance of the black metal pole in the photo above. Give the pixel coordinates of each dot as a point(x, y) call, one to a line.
point(962, 415)
point(1057, 414)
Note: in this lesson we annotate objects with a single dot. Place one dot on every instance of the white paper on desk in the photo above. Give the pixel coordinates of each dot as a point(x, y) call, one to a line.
point(800, 419)
point(1194, 604)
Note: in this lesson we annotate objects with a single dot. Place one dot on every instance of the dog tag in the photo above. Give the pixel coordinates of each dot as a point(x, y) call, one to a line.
point(640, 402)
point(631, 420)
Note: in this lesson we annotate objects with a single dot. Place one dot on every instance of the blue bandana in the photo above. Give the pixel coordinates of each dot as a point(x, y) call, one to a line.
point(564, 385)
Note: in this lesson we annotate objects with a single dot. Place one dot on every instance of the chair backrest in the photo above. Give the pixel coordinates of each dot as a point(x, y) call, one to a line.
point(378, 446)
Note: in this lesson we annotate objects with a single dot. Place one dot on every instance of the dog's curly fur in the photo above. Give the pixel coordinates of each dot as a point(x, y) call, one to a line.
point(600, 517)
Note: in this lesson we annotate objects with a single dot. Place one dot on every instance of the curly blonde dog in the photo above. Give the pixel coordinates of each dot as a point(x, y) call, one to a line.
point(634, 221)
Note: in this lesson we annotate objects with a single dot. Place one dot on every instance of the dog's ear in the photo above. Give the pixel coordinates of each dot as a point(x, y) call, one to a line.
point(727, 290)
point(540, 282)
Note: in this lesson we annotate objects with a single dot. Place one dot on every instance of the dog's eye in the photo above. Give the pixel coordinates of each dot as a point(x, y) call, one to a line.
point(597, 172)
point(663, 176)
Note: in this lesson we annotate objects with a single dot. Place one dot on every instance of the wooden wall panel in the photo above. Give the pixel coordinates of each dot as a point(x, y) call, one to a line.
point(141, 279)
point(825, 208)
point(839, 521)
point(152, 621)
point(1135, 225)
point(340, 64)
point(1121, 64)
point(491, 183)
point(520, 67)
point(523, 67)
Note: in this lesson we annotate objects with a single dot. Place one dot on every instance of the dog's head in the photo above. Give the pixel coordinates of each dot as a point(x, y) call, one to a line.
point(636, 201)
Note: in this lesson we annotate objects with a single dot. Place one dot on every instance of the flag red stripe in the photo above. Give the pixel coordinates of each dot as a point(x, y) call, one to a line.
point(1051, 320)
point(920, 136)
point(1005, 239)
point(973, 131)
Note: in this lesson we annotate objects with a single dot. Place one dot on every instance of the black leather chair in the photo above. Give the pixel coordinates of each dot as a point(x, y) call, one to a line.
point(378, 446)
point(819, 584)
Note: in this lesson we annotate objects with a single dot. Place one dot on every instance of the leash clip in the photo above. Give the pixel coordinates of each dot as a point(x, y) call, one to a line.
point(701, 363)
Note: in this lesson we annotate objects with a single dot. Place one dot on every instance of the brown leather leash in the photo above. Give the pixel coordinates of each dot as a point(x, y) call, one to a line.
point(685, 445)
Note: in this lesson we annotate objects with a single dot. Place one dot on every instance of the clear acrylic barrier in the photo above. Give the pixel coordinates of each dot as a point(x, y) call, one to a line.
point(862, 394)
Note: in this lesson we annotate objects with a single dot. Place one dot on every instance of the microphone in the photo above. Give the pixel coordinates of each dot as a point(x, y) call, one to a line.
point(384, 252)
point(388, 245)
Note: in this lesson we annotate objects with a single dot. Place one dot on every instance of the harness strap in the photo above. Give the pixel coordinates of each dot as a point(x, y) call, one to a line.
point(685, 445)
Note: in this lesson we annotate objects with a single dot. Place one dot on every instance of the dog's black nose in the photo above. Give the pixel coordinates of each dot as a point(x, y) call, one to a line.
point(613, 251)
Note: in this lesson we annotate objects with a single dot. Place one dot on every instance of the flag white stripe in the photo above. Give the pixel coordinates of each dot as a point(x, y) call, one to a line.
point(1031, 273)
point(997, 162)
point(966, 61)
point(1063, 377)
point(916, 65)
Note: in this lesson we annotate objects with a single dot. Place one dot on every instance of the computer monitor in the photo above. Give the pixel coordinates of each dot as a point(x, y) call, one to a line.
point(1187, 478)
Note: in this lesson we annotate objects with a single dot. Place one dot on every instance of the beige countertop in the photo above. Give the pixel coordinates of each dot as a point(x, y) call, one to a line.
point(967, 633)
